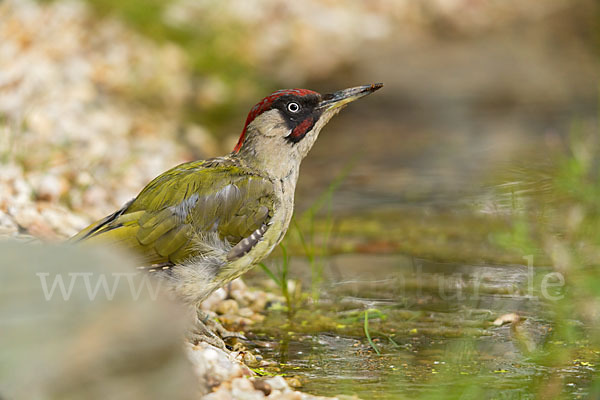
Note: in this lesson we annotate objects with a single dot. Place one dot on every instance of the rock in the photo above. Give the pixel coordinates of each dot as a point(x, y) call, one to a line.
point(259, 302)
point(250, 360)
point(290, 395)
point(262, 385)
point(243, 389)
point(227, 307)
point(506, 319)
point(294, 382)
point(213, 366)
point(277, 383)
point(211, 303)
point(51, 187)
point(257, 318)
point(245, 312)
point(86, 344)
point(8, 226)
point(221, 394)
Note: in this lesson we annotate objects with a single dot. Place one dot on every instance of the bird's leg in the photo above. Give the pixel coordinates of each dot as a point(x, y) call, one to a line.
point(202, 333)
point(208, 330)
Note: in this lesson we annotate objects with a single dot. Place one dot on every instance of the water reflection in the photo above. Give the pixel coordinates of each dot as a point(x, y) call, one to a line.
point(434, 320)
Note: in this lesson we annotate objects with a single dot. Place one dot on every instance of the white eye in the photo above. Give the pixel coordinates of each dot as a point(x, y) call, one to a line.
point(293, 107)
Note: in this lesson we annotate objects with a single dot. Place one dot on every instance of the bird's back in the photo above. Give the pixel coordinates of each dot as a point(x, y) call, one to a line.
point(191, 211)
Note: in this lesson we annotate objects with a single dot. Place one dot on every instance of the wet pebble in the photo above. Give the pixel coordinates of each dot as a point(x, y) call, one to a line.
point(294, 382)
point(227, 307)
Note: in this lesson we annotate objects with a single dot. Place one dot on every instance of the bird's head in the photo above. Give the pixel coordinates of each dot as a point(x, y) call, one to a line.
point(282, 127)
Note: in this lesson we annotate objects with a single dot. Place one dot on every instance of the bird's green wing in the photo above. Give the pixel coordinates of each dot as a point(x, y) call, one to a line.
point(191, 203)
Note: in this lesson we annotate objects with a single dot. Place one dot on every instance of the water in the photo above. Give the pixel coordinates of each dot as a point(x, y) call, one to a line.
point(434, 325)
point(421, 236)
point(445, 155)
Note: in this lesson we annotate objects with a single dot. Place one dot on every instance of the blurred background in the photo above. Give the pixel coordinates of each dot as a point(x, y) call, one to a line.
point(99, 96)
point(481, 149)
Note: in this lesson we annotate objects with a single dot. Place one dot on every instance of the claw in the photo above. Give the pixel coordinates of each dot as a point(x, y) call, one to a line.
point(210, 331)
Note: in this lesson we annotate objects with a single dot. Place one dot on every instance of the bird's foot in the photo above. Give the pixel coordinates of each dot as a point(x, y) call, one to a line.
point(207, 330)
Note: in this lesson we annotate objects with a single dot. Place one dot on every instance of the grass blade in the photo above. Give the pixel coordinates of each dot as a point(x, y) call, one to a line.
point(270, 274)
point(366, 328)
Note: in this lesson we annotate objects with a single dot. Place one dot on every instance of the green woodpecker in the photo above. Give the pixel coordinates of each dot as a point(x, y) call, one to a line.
point(203, 223)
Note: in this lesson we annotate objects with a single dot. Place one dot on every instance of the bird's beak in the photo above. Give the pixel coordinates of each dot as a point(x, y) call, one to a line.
point(342, 97)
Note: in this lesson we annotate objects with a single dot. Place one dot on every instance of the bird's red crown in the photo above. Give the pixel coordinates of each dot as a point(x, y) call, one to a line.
point(265, 105)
